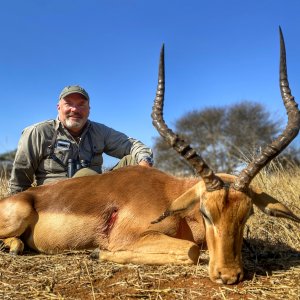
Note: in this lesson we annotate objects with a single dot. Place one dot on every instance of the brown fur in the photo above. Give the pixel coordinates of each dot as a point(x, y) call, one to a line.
point(138, 194)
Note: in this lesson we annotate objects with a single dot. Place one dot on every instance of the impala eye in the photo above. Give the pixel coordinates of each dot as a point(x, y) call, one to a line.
point(206, 218)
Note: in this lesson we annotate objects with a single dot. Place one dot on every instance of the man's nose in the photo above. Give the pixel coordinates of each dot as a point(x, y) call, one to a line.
point(74, 108)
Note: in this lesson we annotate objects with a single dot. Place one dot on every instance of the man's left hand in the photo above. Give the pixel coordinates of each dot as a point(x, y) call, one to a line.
point(145, 164)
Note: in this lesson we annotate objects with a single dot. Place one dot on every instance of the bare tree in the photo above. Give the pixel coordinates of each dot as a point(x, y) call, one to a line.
point(222, 135)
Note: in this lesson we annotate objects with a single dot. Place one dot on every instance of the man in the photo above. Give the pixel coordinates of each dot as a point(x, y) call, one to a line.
point(56, 149)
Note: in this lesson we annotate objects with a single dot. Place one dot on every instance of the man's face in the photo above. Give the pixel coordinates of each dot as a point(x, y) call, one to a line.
point(73, 112)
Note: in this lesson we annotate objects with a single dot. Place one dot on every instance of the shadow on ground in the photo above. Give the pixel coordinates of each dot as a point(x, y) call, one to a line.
point(263, 258)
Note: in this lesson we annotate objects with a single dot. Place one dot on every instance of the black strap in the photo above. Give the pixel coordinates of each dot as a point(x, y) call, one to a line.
point(51, 154)
point(55, 158)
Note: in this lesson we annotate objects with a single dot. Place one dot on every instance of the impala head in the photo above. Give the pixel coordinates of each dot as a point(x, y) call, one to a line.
point(226, 201)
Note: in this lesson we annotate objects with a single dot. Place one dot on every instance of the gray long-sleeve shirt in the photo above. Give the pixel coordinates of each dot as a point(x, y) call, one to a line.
point(44, 149)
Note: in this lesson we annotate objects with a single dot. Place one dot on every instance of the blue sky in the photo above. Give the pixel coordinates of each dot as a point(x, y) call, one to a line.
point(217, 53)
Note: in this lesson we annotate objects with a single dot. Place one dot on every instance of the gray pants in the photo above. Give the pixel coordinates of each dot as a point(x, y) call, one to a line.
point(127, 160)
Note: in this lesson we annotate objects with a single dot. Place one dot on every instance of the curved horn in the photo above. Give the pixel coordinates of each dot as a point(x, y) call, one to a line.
point(212, 182)
point(290, 132)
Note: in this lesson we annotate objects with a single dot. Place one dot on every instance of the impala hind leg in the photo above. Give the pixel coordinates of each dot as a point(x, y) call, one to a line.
point(16, 214)
point(155, 248)
point(15, 245)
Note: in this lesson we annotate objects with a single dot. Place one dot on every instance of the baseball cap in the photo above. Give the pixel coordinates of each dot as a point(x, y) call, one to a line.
point(73, 89)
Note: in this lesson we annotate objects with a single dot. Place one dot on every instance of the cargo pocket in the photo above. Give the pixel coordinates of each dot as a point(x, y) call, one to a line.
point(57, 162)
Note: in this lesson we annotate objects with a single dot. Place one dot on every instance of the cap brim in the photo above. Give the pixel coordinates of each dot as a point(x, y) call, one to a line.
point(74, 92)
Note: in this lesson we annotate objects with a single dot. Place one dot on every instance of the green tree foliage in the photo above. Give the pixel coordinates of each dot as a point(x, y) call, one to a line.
point(225, 137)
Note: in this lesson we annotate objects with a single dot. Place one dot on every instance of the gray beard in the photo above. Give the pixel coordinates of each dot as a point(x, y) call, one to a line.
point(70, 124)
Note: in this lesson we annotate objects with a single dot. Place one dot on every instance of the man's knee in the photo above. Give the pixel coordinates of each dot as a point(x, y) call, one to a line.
point(84, 172)
point(127, 160)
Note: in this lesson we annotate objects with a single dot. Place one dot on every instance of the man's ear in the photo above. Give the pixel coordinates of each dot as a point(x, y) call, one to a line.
point(272, 207)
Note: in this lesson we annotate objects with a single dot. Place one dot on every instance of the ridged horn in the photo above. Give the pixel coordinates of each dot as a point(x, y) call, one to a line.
point(212, 182)
point(283, 140)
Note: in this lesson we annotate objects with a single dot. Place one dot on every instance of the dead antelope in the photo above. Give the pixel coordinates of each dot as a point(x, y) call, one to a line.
point(115, 211)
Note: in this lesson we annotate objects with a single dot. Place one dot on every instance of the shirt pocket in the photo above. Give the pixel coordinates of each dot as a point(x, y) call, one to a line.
point(57, 162)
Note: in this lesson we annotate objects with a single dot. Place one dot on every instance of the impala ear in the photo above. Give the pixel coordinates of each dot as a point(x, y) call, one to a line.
point(272, 207)
point(184, 202)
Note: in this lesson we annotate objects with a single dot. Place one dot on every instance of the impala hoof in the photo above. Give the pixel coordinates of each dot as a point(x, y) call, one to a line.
point(13, 253)
point(95, 254)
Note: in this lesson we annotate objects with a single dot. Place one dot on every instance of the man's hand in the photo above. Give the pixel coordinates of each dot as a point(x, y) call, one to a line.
point(144, 163)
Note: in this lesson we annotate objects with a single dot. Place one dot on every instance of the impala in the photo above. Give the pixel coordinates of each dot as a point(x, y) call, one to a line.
point(145, 216)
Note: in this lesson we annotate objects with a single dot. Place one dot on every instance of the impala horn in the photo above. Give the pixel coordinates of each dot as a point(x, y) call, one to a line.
point(292, 128)
point(212, 182)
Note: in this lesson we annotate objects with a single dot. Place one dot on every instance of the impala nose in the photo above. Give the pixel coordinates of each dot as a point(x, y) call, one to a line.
point(230, 276)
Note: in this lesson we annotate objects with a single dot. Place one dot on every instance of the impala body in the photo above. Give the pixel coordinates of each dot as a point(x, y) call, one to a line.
point(143, 215)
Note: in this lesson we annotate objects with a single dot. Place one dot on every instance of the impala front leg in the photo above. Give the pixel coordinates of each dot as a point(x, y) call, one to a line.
point(154, 248)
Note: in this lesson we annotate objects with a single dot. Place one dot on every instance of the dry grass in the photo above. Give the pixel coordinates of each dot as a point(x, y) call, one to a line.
point(271, 256)
point(3, 184)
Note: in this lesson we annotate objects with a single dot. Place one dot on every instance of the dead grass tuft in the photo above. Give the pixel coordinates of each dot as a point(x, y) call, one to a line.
point(3, 185)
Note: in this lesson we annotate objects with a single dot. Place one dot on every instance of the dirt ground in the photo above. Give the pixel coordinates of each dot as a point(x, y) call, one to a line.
point(271, 273)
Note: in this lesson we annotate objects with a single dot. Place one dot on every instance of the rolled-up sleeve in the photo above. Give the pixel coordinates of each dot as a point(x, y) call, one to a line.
point(140, 151)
